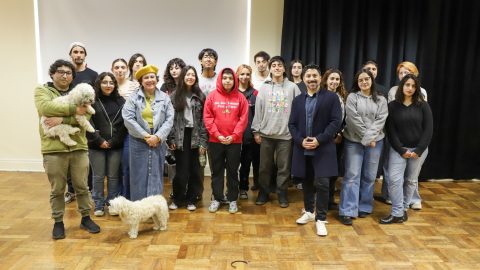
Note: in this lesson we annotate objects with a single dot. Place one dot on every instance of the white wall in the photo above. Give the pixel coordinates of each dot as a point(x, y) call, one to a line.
point(19, 143)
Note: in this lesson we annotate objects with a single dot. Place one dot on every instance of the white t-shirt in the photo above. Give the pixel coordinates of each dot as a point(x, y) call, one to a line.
point(257, 82)
point(207, 85)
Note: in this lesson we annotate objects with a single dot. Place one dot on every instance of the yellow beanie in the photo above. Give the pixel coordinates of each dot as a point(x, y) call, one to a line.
point(145, 70)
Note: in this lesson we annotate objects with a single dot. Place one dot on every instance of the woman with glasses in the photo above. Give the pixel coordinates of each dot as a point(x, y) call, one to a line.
point(106, 144)
point(366, 113)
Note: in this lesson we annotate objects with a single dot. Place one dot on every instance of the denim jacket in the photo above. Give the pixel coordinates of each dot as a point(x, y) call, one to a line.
point(162, 110)
point(199, 132)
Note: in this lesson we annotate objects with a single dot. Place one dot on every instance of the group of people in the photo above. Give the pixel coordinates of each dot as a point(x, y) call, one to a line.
point(289, 123)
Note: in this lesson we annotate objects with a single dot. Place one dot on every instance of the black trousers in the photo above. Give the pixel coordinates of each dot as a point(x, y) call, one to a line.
point(315, 192)
point(187, 183)
point(224, 157)
point(250, 155)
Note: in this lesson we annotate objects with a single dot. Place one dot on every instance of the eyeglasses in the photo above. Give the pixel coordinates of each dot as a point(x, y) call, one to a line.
point(64, 72)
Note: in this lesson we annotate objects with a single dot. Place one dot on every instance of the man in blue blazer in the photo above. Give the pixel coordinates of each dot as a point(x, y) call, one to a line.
point(315, 118)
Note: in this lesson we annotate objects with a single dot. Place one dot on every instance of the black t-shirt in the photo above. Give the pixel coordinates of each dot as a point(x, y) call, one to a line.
point(87, 76)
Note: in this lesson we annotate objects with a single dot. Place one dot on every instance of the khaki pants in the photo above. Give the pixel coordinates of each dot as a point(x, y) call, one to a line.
point(57, 166)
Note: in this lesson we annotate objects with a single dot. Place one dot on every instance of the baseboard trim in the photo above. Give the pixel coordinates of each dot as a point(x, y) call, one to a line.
point(21, 165)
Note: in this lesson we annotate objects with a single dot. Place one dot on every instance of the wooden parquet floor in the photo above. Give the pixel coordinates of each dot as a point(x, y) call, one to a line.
point(445, 234)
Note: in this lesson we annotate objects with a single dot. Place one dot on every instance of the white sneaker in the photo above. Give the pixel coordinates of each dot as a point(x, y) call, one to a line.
point(99, 213)
point(172, 206)
point(299, 186)
point(321, 229)
point(233, 208)
point(388, 201)
point(243, 194)
point(214, 204)
point(191, 207)
point(305, 218)
point(416, 205)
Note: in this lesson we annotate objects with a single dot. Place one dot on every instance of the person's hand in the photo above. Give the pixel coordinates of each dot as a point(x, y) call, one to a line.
point(373, 144)
point(53, 121)
point(228, 140)
point(81, 110)
point(202, 150)
point(310, 143)
point(413, 155)
point(338, 138)
point(258, 138)
point(172, 147)
point(105, 145)
point(152, 140)
point(406, 155)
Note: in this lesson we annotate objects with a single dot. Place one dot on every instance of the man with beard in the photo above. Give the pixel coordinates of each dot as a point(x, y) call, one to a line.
point(78, 53)
point(315, 119)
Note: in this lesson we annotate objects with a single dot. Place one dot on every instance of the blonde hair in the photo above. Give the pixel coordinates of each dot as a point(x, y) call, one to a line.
point(239, 69)
point(408, 65)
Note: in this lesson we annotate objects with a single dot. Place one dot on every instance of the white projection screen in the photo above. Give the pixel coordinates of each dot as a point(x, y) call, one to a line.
point(159, 29)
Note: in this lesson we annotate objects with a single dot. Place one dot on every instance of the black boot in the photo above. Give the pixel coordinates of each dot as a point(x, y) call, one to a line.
point(391, 219)
point(88, 225)
point(58, 230)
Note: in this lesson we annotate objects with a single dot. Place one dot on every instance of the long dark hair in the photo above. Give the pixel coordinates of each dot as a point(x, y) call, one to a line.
point(289, 71)
point(180, 94)
point(341, 86)
point(417, 97)
point(98, 82)
point(131, 62)
point(373, 89)
point(167, 77)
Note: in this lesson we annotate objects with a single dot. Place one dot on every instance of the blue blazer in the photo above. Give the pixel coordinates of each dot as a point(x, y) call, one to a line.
point(327, 119)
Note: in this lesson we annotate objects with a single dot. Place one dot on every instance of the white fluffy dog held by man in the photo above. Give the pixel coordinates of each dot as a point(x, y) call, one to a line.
point(132, 213)
point(81, 95)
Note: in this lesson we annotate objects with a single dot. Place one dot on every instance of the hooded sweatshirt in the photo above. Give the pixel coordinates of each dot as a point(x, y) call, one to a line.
point(226, 114)
point(272, 109)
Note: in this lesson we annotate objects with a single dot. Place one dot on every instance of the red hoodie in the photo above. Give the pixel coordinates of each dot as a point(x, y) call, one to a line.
point(226, 114)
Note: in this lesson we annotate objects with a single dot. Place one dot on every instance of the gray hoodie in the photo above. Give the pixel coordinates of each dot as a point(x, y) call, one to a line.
point(365, 118)
point(272, 109)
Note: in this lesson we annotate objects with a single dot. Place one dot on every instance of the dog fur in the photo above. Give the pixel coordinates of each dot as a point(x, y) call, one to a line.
point(132, 213)
point(81, 95)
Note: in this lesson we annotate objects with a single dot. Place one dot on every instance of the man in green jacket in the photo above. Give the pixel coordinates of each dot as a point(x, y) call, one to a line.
point(60, 160)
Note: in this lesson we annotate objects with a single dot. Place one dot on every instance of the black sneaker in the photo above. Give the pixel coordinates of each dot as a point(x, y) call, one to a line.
point(88, 225)
point(391, 219)
point(262, 198)
point(58, 230)
point(345, 220)
point(362, 214)
point(282, 199)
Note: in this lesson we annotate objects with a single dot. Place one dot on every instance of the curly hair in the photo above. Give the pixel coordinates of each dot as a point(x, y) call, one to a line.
point(417, 97)
point(341, 90)
point(169, 81)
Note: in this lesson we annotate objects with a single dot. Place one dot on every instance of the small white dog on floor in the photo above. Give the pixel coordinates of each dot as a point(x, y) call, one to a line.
point(132, 213)
point(81, 95)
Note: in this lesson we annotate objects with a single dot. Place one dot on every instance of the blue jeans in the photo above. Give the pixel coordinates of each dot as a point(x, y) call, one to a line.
point(361, 164)
point(125, 190)
point(105, 163)
point(403, 179)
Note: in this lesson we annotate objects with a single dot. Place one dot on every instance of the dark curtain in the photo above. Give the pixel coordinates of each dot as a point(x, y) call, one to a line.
point(441, 37)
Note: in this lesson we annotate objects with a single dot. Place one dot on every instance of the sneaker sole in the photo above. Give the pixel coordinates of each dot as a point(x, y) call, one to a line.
point(88, 230)
point(58, 237)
